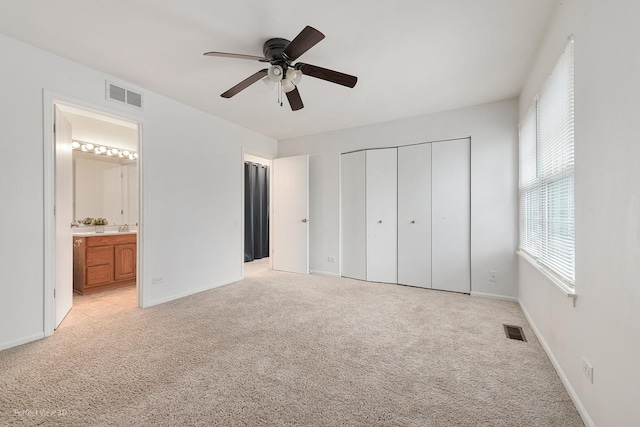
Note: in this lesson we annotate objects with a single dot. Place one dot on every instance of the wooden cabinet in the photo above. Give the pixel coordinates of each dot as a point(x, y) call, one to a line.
point(103, 262)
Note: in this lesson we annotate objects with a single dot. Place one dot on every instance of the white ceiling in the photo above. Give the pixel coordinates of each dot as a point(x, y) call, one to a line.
point(411, 57)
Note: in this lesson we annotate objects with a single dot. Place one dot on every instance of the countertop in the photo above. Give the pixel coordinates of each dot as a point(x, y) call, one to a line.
point(106, 233)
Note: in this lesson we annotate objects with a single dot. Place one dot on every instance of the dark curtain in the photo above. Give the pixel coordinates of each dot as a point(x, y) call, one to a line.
point(256, 211)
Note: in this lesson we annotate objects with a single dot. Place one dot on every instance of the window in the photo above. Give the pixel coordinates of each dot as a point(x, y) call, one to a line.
point(547, 208)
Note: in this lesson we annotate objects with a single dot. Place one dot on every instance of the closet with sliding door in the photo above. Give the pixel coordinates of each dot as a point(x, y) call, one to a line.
point(405, 215)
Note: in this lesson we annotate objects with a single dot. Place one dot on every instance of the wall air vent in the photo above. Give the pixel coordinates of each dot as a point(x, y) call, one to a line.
point(123, 95)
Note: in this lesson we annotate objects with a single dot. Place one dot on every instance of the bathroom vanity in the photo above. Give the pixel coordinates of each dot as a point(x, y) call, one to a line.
point(103, 260)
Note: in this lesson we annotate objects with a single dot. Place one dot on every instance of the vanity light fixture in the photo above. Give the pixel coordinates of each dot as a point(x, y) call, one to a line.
point(88, 147)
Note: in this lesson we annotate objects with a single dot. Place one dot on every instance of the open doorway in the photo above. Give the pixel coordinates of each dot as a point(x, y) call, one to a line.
point(96, 216)
point(257, 211)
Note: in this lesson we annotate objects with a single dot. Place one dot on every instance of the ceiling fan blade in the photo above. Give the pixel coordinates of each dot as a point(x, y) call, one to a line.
point(295, 100)
point(328, 75)
point(244, 84)
point(237, 55)
point(304, 41)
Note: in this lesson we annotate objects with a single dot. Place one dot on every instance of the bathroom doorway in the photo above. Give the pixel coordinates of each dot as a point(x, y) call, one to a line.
point(93, 230)
point(256, 210)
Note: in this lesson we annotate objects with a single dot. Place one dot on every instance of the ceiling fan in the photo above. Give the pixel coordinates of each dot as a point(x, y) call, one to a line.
point(281, 54)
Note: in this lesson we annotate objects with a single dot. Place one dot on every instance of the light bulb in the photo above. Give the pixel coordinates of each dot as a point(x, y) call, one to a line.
point(109, 153)
point(125, 153)
point(114, 151)
point(75, 145)
point(90, 147)
point(275, 73)
point(287, 85)
point(294, 75)
point(131, 157)
point(102, 149)
point(84, 148)
point(135, 155)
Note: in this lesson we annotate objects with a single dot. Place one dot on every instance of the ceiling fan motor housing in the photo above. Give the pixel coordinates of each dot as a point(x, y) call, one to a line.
point(272, 50)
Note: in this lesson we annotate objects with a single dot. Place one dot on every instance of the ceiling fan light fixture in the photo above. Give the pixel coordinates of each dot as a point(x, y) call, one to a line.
point(287, 85)
point(275, 73)
point(270, 83)
point(294, 75)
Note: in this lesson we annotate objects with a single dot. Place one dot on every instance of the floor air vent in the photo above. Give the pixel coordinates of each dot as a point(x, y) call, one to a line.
point(126, 96)
point(514, 332)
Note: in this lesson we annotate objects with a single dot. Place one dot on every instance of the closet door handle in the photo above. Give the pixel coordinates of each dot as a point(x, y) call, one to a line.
point(380, 222)
point(304, 220)
point(413, 222)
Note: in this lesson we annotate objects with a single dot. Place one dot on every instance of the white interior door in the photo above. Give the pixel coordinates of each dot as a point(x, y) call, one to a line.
point(63, 290)
point(290, 242)
point(382, 215)
point(414, 215)
point(353, 216)
point(451, 215)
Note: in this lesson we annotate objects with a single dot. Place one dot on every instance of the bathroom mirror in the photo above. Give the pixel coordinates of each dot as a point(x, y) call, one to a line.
point(105, 188)
point(105, 175)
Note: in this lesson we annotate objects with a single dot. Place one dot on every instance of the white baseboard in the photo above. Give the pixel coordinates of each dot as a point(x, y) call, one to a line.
point(191, 292)
point(21, 341)
point(565, 381)
point(324, 273)
point(494, 296)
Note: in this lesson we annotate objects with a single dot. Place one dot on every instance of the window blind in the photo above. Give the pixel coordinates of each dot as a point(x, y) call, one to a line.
point(547, 206)
point(530, 219)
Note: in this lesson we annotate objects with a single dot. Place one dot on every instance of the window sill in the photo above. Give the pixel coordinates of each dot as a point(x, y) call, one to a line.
point(558, 284)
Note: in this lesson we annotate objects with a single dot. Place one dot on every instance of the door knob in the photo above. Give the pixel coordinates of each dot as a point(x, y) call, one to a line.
point(413, 222)
point(380, 222)
point(304, 220)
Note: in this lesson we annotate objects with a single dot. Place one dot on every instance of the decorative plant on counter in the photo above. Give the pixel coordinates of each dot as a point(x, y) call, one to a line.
point(87, 221)
point(100, 221)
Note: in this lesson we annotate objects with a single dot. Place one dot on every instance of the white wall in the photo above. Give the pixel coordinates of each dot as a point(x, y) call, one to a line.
point(255, 159)
point(494, 183)
point(604, 326)
point(101, 132)
point(192, 166)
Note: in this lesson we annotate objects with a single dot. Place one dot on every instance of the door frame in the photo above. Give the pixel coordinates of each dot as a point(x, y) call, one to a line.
point(51, 98)
point(265, 156)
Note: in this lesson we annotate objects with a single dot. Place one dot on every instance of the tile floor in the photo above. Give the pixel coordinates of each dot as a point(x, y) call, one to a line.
point(101, 305)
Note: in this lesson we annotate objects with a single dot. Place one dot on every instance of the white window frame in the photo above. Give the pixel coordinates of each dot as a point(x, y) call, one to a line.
point(547, 244)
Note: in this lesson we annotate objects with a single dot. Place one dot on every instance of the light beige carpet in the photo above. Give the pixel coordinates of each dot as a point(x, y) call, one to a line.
point(285, 349)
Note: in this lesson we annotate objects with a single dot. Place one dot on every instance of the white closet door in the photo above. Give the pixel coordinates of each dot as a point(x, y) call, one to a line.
point(414, 215)
point(451, 213)
point(353, 216)
point(382, 211)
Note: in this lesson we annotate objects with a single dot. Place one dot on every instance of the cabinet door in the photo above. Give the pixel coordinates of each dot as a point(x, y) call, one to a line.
point(451, 215)
point(414, 215)
point(382, 196)
point(353, 218)
point(125, 262)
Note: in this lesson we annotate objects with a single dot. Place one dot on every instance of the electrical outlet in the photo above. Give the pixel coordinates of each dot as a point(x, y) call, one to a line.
point(587, 369)
point(331, 259)
point(493, 276)
point(157, 280)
